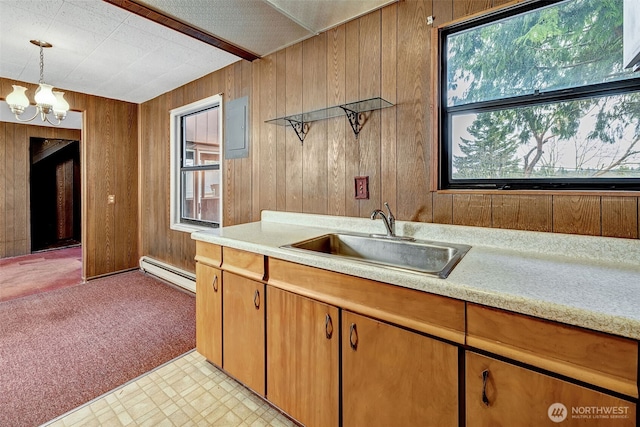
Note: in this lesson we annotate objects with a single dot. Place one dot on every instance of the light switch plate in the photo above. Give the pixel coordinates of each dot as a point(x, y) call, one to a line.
point(362, 187)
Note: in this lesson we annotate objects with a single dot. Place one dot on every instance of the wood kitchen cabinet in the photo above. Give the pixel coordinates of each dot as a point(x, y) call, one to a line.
point(209, 312)
point(303, 358)
point(501, 394)
point(592, 357)
point(332, 349)
point(243, 334)
point(394, 377)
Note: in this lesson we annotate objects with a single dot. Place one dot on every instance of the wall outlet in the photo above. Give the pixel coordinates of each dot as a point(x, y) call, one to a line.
point(111, 199)
point(362, 187)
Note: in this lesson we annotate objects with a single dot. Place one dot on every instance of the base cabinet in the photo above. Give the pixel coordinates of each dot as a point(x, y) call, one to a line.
point(305, 349)
point(209, 312)
point(500, 394)
point(243, 335)
point(302, 358)
point(393, 377)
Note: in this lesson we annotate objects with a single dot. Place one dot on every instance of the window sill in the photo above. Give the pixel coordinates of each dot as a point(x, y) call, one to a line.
point(190, 228)
point(543, 192)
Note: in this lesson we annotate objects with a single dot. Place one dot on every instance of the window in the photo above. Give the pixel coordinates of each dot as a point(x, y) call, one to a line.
point(196, 177)
point(537, 97)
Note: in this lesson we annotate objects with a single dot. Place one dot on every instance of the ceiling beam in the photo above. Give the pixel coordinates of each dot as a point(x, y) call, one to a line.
point(182, 27)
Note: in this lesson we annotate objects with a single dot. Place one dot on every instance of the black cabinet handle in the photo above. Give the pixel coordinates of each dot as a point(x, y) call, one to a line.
point(328, 327)
point(353, 337)
point(215, 283)
point(256, 299)
point(485, 376)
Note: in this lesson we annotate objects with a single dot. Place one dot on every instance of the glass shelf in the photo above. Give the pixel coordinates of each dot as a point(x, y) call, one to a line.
point(352, 110)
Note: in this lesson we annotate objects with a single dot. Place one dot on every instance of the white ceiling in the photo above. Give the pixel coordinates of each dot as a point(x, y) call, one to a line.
point(103, 50)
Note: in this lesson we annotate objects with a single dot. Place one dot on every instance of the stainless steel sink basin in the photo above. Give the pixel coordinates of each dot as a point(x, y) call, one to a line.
point(435, 258)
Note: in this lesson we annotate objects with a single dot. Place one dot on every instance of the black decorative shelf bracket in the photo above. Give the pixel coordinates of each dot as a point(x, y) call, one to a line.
point(301, 128)
point(354, 120)
point(353, 110)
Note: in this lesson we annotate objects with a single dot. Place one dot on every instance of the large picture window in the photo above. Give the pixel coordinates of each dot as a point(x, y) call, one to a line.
point(196, 156)
point(537, 97)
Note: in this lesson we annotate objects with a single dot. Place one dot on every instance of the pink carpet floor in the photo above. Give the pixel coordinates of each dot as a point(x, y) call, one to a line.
point(43, 271)
point(62, 348)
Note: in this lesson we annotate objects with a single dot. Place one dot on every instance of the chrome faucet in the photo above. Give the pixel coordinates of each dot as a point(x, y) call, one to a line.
point(389, 220)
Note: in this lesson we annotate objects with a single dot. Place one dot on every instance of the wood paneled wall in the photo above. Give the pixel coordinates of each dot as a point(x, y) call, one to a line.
point(385, 53)
point(156, 238)
point(15, 228)
point(109, 162)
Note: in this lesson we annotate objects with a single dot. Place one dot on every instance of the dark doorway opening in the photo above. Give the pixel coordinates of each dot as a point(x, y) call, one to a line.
point(55, 193)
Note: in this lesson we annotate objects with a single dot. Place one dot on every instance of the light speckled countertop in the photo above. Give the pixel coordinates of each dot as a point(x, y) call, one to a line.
point(593, 282)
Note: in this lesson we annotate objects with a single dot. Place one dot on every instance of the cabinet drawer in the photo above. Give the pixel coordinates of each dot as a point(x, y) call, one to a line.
point(593, 357)
point(208, 253)
point(432, 314)
point(247, 264)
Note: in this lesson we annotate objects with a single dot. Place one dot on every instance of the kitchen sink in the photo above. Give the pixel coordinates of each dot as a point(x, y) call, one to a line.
point(434, 258)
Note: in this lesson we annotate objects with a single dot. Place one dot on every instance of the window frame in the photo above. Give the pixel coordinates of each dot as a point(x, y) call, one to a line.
point(444, 146)
point(177, 136)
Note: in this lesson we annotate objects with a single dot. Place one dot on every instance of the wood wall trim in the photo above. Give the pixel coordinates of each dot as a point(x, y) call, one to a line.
point(465, 10)
point(545, 192)
point(435, 110)
point(141, 165)
point(182, 27)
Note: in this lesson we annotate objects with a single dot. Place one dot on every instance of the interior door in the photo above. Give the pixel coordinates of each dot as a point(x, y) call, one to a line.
point(54, 193)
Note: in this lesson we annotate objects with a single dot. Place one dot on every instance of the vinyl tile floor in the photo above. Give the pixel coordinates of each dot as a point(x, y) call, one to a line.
point(187, 391)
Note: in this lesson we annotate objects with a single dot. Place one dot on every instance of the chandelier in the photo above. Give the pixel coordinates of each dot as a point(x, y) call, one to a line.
point(48, 101)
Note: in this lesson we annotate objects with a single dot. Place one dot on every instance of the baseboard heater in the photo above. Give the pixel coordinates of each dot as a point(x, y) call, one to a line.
point(168, 272)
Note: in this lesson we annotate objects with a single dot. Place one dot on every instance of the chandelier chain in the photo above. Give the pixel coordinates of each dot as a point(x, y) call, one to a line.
point(41, 65)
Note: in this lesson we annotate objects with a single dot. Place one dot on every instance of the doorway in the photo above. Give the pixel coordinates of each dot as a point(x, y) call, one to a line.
point(55, 193)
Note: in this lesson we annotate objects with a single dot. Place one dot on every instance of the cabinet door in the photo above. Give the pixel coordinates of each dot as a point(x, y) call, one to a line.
point(508, 395)
point(209, 312)
point(393, 377)
point(302, 358)
point(243, 330)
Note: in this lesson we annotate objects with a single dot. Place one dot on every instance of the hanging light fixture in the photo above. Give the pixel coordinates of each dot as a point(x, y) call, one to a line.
point(48, 101)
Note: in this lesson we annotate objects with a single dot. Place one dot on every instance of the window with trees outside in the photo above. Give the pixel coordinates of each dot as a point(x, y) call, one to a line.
point(196, 182)
point(537, 97)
